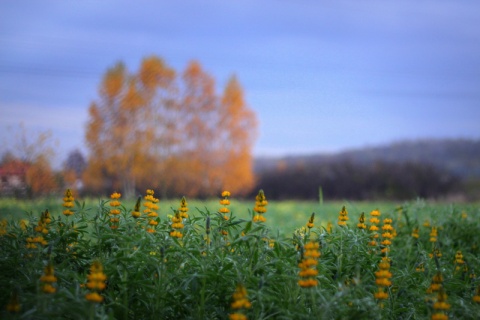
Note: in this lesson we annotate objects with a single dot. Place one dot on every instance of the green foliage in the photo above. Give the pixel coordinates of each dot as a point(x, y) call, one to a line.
point(156, 276)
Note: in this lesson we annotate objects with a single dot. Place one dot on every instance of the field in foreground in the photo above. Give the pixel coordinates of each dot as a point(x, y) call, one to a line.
point(214, 261)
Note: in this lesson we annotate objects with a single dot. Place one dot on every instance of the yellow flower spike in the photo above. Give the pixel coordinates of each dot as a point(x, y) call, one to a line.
point(343, 217)
point(307, 271)
point(151, 206)
point(47, 279)
point(361, 222)
point(183, 208)
point(415, 233)
point(433, 235)
point(310, 224)
point(239, 303)
point(476, 297)
point(68, 202)
point(95, 282)
point(14, 305)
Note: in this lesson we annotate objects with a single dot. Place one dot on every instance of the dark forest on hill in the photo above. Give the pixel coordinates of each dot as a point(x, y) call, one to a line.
point(434, 169)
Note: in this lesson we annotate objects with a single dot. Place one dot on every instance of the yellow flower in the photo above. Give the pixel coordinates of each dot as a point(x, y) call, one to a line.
point(308, 283)
point(94, 297)
point(375, 213)
point(224, 210)
point(13, 305)
point(225, 194)
point(115, 195)
point(415, 233)
point(259, 218)
point(380, 294)
point(374, 220)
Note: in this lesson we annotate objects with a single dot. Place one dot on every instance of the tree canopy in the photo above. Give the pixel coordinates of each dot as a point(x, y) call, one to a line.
point(157, 128)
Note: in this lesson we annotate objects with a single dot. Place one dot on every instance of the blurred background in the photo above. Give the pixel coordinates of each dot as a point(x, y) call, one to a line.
point(357, 100)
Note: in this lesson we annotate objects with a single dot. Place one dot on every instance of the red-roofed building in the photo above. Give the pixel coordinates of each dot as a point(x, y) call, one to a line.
point(13, 178)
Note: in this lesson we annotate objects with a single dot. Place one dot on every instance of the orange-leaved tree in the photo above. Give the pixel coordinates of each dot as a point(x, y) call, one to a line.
point(155, 129)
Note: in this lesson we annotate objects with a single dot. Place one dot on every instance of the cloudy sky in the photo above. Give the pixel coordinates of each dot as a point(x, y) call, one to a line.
point(322, 76)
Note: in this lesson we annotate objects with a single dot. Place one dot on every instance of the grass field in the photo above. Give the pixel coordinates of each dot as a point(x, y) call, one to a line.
point(414, 260)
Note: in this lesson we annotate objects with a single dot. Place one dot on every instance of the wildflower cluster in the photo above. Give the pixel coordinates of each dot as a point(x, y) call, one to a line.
point(68, 202)
point(115, 211)
point(158, 274)
point(307, 266)
point(95, 282)
point(260, 207)
point(239, 304)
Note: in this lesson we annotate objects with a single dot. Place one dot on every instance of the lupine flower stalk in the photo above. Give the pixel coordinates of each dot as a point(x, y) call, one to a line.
point(48, 279)
point(386, 235)
point(260, 207)
point(239, 304)
point(307, 266)
point(150, 210)
point(374, 220)
point(96, 282)
point(343, 217)
point(177, 226)
point(440, 306)
point(225, 202)
point(361, 222)
point(115, 211)
point(310, 224)
point(183, 208)
point(136, 211)
point(382, 280)
point(68, 202)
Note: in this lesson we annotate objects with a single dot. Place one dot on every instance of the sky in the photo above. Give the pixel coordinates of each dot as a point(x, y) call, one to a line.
point(322, 76)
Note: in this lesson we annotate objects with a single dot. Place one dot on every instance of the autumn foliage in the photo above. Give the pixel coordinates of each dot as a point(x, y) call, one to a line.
point(173, 131)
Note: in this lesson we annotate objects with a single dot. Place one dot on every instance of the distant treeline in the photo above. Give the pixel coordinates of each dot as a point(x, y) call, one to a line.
point(346, 179)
